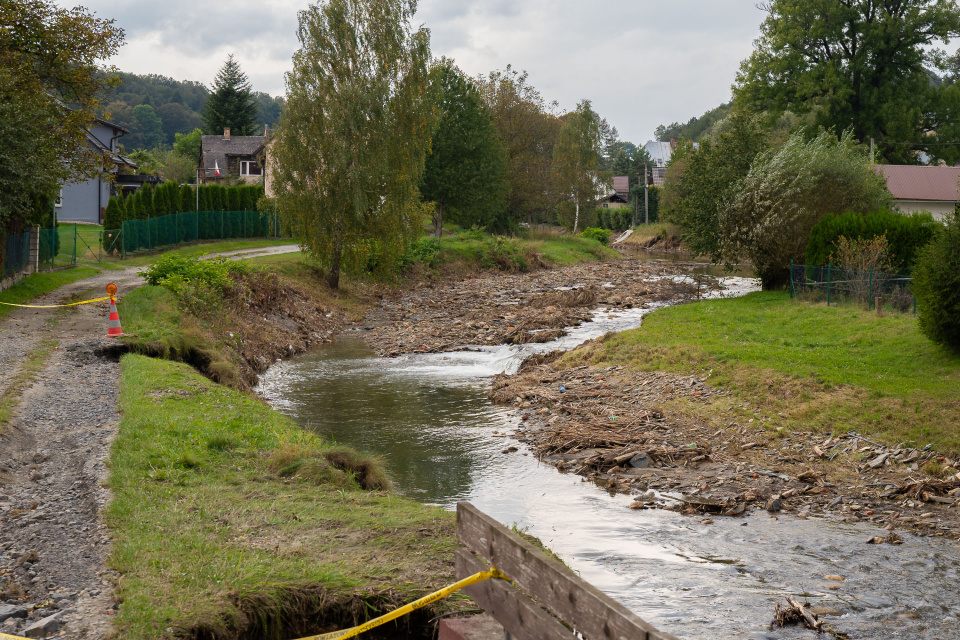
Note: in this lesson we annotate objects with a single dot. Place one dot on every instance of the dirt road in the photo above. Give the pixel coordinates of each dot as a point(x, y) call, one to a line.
point(53, 453)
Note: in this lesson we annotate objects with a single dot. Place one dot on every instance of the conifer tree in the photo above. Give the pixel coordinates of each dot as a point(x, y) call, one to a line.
point(231, 103)
point(188, 201)
point(233, 199)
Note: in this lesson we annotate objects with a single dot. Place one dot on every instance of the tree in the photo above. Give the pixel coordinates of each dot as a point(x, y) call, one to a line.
point(176, 118)
point(786, 192)
point(466, 170)
point(356, 126)
point(577, 158)
point(936, 283)
point(51, 83)
point(148, 132)
point(187, 200)
point(231, 103)
point(858, 64)
point(188, 144)
point(700, 183)
point(528, 128)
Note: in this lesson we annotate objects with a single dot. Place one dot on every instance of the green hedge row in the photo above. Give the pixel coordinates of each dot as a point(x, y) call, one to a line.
point(906, 234)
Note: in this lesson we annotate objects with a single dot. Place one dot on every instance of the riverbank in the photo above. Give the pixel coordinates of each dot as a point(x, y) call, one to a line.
point(759, 403)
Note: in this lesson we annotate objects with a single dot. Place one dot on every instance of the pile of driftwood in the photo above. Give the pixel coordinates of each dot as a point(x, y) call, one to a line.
point(942, 491)
point(795, 612)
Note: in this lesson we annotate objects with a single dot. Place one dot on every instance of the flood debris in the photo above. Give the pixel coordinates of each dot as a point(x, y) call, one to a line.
point(795, 612)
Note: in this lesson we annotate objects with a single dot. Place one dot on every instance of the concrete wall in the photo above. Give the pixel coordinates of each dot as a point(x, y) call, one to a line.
point(940, 209)
point(82, 203)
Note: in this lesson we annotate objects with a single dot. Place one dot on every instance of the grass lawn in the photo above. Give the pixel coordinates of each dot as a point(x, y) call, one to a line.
point(804, 366)
point(225, 510)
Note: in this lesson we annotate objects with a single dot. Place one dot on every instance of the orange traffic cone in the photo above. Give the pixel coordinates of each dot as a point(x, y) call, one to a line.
point(113, 324)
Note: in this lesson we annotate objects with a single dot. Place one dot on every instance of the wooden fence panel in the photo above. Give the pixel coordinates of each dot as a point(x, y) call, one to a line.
point(565, 594)
point(518, 614)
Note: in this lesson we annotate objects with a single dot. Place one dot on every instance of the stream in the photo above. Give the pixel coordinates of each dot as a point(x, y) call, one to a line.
point(428, 416)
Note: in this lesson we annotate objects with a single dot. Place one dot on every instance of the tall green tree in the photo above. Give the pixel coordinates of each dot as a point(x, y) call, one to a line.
point(231, 103)
point(528, 127)
point(577, 159)
point(354, 133)
point(49, 57)
point(465, 173)
point(861, 65)
point(787, 192)
point(148, 133)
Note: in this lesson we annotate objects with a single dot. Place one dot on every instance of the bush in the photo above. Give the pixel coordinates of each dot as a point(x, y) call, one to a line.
point(936, 284)
point(600, 235)
point(906, 234)
point(176, 268)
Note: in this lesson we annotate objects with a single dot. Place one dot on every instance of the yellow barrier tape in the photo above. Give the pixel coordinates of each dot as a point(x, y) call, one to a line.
point(53, 306)
point(413, 606)
point(3, 636)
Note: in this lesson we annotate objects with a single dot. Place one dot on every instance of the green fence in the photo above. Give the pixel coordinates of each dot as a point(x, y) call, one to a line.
point(16, 253)
point(834, 285)
point(190, 226)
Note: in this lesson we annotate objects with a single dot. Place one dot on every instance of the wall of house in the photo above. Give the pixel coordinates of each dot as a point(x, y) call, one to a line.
point(82, 203)
point(939, 208)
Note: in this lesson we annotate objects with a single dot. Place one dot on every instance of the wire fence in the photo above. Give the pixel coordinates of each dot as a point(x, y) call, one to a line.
point(189, 226)
point(833, 285)
point(16, 254)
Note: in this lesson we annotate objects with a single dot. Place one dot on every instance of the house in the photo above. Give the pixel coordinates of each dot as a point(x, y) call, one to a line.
point(226, 156)
point(86, 201)
point(660, 153)
point(620, 195)
point(923, 188)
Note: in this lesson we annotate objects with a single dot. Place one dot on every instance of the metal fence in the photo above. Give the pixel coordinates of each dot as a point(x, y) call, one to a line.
point(833, 285)
point(189, 226)
point(16, 253)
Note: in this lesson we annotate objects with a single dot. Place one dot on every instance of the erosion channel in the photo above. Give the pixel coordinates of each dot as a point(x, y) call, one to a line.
point(428, 416)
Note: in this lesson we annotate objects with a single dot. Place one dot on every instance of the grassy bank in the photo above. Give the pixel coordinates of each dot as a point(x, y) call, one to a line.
point(802, 366)
point(231, 521)
point(663, 235)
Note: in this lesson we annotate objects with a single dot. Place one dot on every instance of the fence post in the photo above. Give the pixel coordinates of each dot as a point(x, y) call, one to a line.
point(34, 249)
point(870, 292)
point(149, 234)
point(793, 291)
point(828, 284)
point(221, 224)
point(74, 242)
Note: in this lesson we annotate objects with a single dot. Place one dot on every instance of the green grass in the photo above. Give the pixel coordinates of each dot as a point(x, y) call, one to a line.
point(564, 251)
point(479, 250)
point(644, 234)
point(806, 366)
point(224, 509)
point(34, 286)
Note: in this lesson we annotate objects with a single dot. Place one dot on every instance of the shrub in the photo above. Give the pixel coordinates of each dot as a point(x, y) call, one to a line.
point(426, 251)
point(213, 273)
point(601, 235)
point(906, 234)
point(936, 284)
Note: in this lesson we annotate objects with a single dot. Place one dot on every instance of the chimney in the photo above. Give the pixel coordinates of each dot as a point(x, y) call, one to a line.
point(226, 133)
point(266, 130)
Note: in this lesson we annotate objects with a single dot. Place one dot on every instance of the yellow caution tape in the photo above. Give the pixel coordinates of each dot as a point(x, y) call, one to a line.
point(53, 306)
point(3, 636)
point(413, 606)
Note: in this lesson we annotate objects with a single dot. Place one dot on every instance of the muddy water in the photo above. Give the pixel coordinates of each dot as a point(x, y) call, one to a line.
point(429, 418)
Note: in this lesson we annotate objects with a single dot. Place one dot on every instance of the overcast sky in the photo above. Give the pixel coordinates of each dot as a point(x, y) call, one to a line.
point(642, 62)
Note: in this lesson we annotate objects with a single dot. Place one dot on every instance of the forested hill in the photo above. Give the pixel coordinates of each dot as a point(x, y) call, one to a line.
point(695, 127)
point(154, 108)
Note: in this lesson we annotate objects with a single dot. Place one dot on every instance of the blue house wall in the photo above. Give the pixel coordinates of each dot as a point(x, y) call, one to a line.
point(86, 201)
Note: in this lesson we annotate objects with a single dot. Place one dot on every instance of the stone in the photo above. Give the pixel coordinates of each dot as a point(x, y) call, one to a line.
point(482, 627)
point(774, 505)
point(40, 628)
point(11, 611)
point(639, 461)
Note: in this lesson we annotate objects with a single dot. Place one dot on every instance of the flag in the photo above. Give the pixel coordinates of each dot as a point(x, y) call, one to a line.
point(216, 169)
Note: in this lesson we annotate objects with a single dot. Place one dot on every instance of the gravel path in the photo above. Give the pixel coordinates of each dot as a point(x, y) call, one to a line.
point(53, 453)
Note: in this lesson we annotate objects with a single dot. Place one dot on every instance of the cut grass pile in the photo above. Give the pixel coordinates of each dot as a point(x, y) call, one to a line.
point(803, 366)
point(34, 286)
point(228, 517)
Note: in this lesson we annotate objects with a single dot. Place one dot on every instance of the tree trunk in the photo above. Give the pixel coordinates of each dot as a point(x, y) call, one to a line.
point(438, 222)
point(576, 216)
point(333, 278)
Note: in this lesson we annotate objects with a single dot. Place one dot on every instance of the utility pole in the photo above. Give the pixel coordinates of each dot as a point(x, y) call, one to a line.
point(646, 196)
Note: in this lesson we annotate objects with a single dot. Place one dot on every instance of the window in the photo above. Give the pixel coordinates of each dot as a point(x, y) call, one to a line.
point(249, 168)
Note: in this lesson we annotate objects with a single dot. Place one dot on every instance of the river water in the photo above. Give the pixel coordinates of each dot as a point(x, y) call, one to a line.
point(429, 418)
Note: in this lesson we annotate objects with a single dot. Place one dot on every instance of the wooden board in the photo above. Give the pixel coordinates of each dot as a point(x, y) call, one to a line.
point(509, 606)
point(570, 598)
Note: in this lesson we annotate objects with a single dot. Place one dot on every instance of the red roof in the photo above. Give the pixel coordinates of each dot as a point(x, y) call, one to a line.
point(909, 182)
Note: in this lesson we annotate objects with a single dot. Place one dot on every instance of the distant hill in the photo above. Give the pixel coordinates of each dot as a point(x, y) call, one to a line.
point(695, 127)
point(177, 103)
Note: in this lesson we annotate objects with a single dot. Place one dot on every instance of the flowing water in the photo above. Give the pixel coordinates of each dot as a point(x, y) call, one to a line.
point(429, 417)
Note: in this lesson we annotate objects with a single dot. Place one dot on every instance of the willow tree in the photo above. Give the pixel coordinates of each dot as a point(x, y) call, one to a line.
point(577, 157)
point(350, 148)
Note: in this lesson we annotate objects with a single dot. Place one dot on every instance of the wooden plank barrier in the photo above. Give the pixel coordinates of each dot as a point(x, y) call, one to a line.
point(569, 603)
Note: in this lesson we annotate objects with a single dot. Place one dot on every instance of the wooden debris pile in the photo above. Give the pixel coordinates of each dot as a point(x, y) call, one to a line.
point(942, 491)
